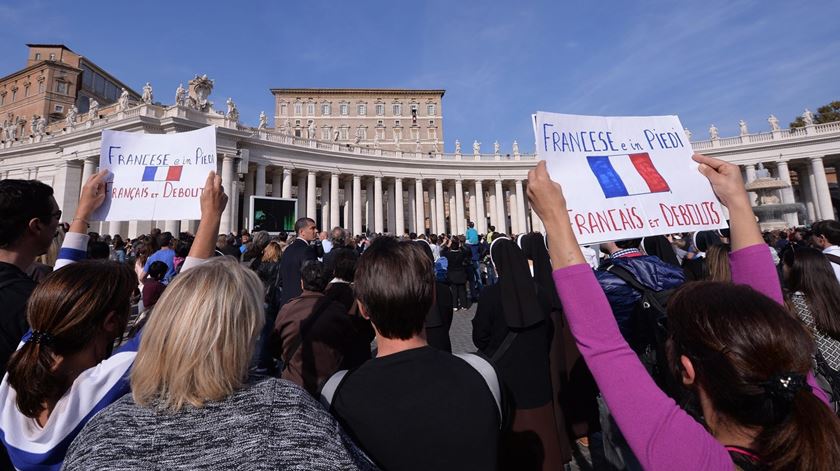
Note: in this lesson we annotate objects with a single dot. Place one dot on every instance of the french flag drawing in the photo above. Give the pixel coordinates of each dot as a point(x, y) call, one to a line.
point(169, 173)
point(627, 175)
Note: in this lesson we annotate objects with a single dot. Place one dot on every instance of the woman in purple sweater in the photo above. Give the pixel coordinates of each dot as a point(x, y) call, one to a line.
point(733, 345)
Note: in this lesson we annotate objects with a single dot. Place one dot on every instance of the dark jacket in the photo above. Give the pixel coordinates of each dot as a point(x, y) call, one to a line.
point(15, 289)
point(293, 258)
point(524, 367)
point(650, 271)
point(439, 319)
point(456, 272)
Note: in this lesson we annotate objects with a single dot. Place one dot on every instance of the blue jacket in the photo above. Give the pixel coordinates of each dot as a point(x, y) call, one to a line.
point(650, 271)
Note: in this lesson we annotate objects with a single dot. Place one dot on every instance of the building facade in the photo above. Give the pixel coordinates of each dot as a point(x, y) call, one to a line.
point(396, 119)
point(54, 80)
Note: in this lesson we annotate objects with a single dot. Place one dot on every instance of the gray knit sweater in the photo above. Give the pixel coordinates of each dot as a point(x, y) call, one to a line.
point(269, 424)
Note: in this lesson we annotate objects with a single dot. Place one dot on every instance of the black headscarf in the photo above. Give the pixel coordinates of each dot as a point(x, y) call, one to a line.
point(433, 317)
point(533, 246)
point(518, 289)
point(660, 247)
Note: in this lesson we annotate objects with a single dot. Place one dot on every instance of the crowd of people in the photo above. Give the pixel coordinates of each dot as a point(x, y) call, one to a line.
point(327, 350)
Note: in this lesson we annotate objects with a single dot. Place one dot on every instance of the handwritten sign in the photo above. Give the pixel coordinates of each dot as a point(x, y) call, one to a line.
point(155, 176)
point(626, 177)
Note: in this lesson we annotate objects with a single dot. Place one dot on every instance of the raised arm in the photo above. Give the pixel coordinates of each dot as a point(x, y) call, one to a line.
point(74, 247)
point(213, 201)
point(750, 259)
point(661, 434)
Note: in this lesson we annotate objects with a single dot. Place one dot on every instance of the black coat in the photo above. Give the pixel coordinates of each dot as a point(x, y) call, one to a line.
point(456, 271)
point(439, 319)
point(293, 258)
point(524, 367)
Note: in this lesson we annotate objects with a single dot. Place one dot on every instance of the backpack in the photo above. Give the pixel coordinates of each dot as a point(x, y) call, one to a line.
point(441, 267)
point(828, 379)
point(649, 330)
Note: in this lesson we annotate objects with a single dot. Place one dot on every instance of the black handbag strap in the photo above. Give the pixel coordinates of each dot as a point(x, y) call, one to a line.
point(628, 278)
point(503, 348)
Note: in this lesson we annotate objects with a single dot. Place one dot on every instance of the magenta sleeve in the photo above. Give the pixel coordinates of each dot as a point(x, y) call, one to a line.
point(753, 266)
point(660, 433)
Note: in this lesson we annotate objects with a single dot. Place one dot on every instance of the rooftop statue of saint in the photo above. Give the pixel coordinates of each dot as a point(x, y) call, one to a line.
point(774, 122)
point(147, 93)
point(742, 126)
point(713, 132)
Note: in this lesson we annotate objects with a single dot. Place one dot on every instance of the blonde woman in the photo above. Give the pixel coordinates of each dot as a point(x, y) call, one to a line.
point(192, 404)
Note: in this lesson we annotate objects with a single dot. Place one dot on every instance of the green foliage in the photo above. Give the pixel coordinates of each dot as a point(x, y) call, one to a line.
point(825, 114)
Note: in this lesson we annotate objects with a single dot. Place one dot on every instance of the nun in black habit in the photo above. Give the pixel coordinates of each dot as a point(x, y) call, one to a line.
point(439, 318)
point(513, 328)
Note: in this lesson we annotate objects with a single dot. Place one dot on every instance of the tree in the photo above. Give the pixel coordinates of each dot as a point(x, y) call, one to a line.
point(825, 114)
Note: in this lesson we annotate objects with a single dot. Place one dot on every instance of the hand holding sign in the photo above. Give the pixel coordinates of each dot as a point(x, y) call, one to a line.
point(546, 195)
point(725, 179)
point(213, 202)
point(93, 194)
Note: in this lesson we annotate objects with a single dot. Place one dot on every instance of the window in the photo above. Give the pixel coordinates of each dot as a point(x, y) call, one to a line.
point(343, 109)
point(2, 99)
point(380, 122)
point(42, 86)
point(14, 94)
point(283, 109)
point(397, 134)
point(59, 109)
point(432, 133)
point(430, 109)
point(397, 109)
point(344, 134)
point(361, 133)
point(415, 134)
point(361, 110)
point(380, 109)
point(310, 109)
point(99, 85)
point(380, 133)
point(297, 122)
point(325, 109)
point(26, 91)
point(325, 133)
point(298, 109)
point(37, 56)
point(61, 87)
point(396, 123)
point(52, 57)
point(297, 132)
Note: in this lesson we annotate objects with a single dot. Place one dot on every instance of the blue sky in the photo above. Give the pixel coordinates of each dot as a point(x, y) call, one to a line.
point(708, 62)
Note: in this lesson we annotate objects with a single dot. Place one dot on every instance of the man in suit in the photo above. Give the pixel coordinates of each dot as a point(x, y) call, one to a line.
point(294, 257)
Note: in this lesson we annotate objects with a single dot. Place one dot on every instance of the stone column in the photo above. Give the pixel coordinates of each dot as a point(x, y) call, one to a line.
point(287, 183)
point(453, 212)
point(494, 215)
point(412, 206)
point(536, 222)
point(750, 176)
point(806, 193)
point(348, 204)
point(311, 194)
point(301, 193)
point(481, 215)
point(440, 219)
point(277, 182)
point(459, 206)
point(821, 185)
point(399, 223)
point(357, 205)
point(226, 225)
point(433, 227)
point(335, 209)
point(792, 219)
point(259, 189)
point(246, 203)
point(520, 207)
point(514, 215)
point(501, 218)
point(88, 169)
point(378, 222)
point(390, 224)
point(171, 226)
point(325, 202)
point(471, 205)
point(421, 210)
point(370, 217)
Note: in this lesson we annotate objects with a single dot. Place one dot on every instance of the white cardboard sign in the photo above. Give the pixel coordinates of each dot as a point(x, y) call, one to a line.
point(626, 177)
point(155, 176)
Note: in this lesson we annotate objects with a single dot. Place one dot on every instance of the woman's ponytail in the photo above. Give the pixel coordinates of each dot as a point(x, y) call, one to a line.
point(33, 379)
point(807, 439)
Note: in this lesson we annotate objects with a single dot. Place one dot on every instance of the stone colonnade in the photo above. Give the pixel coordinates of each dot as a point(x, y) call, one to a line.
point(811, 187)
